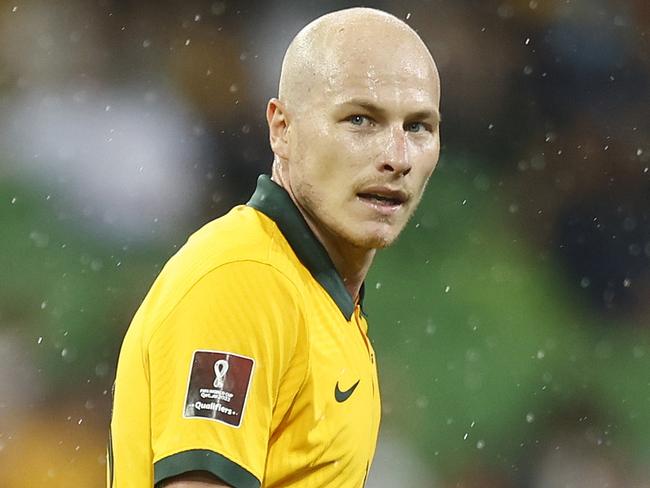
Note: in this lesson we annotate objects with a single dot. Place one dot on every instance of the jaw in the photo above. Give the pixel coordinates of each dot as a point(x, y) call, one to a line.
point(373, 234)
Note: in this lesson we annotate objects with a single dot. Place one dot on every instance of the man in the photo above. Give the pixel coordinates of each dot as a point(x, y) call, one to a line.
point(248, 364)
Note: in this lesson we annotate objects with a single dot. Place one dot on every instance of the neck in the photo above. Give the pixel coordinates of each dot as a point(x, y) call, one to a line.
point(351, 262)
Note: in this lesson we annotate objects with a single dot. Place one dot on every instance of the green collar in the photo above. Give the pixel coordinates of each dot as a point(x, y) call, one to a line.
point(273, 201)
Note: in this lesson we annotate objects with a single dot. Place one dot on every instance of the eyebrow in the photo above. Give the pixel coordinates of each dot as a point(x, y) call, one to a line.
point(372, 107)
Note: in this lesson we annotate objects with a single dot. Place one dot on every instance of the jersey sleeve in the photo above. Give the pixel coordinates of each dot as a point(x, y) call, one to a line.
point(215, 364)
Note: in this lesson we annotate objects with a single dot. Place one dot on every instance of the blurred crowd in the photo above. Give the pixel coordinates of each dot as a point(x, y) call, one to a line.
point(512, 319)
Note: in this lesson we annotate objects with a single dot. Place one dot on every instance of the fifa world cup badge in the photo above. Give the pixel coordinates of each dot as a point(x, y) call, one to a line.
point(218, 386)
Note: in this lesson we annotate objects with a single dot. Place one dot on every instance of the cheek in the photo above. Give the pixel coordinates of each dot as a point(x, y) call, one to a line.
point(429, 153)
point(424, 164)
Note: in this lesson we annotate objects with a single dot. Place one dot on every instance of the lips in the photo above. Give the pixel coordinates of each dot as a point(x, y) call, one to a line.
point(383, 196)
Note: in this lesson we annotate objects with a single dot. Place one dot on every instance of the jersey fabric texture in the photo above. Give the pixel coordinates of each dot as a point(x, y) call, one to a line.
point(247, 359)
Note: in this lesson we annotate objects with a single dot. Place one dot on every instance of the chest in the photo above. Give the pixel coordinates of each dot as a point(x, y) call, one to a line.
point(329, 434)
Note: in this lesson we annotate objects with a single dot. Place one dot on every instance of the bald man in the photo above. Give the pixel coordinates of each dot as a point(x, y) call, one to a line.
point(249, 363)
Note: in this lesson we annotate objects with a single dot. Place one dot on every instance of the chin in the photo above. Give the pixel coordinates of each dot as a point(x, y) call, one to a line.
point(373, 239)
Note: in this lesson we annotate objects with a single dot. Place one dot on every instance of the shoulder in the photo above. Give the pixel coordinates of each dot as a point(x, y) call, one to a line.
point(243, 235)
point(241, 255)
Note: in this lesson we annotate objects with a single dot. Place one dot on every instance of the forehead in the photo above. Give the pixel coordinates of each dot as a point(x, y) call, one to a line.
point(382, 70)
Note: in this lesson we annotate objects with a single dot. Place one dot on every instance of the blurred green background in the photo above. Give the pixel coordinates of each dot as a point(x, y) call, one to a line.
point(510, 319)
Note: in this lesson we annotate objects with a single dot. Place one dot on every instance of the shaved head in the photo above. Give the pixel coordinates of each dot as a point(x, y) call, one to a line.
point(327, 49)
point(355, 127)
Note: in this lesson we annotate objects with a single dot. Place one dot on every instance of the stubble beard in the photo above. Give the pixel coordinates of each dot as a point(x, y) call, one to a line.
point(345, 234)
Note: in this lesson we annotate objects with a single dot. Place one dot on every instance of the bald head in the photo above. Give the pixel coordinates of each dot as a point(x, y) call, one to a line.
point(356, 41)
point(355, 131)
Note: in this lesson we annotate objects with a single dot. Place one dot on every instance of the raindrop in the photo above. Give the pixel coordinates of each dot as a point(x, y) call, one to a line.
point(408, 15)
point(80, 422)
point(40, 340)
point(187, 42)
point(233, 88)
point(528, 69)
point(639, 152)
point(43, 305)
point(527, 41)
point(513, 208)
point(15, 8)
point(197, 17)
point(68, 355)
point(480, 444)
point(540, 354)
point(627, 282)
point(146, 43)
point(466, 436)
point(585, 282)
point(447, 288)
point(13, 200)
point(532, 4)
point(530, 417)
point(377, 285)
point(464, 201)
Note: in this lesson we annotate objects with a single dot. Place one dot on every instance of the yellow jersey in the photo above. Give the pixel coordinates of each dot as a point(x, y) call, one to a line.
point(247, 359)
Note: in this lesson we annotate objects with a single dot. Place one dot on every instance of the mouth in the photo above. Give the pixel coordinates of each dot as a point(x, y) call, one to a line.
point(385, 200)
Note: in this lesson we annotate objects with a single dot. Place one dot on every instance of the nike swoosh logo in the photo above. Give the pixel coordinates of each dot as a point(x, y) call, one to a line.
point(341, 396)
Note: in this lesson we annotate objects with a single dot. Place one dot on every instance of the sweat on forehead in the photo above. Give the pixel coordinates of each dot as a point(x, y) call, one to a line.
point(345, 41)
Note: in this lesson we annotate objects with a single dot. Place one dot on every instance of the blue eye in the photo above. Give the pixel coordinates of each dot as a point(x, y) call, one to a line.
point(357, 119)
point(414, 127)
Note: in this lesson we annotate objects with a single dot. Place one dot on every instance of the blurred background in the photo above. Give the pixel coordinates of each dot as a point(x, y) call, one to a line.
point(512, 320)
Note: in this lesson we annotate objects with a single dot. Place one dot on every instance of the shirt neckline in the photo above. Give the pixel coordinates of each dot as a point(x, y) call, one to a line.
point(274, 202)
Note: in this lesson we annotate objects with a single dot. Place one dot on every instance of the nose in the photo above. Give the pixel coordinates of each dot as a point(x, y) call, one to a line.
point(395, 156)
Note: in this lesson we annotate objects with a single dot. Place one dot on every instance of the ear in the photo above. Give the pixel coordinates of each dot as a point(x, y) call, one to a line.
point(276, 117)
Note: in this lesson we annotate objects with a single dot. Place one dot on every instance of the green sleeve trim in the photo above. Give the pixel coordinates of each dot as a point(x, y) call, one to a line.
point(204, 460)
